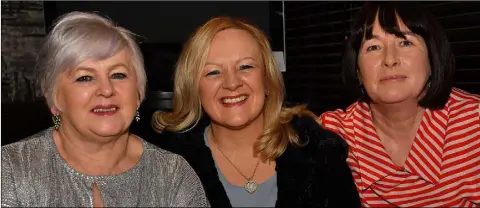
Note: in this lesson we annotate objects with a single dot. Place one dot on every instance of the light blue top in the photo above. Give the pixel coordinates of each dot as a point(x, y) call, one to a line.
point(264, 196)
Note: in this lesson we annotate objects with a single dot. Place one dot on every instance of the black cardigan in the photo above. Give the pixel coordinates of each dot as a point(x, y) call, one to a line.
point(315, 175)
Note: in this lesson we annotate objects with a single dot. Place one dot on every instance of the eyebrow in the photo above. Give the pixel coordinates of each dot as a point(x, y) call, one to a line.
point(405, 33)
point(245, 58)
point(90, 69)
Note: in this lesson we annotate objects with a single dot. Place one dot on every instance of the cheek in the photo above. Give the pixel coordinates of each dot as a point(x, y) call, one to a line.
point(130, 89)
point(257, 85)
point(207, 91)
point(419, 66)
point(368, 75)
point(425, 63)
point(256, 81)
point(69, 97)
point(367, 68)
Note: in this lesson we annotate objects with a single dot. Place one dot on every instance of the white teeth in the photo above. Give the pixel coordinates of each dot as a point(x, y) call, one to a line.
point(234, 100)
point(96, 110)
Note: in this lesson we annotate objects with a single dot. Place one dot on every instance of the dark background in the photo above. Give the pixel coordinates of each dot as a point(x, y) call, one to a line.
point(164, 26)
point(314, 38)
point(315, 34)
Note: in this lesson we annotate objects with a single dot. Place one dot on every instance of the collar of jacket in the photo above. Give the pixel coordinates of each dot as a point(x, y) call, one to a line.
point(295, 167)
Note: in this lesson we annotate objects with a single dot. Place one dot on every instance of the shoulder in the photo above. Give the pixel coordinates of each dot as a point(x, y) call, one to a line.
point(24, 162)
point(28, 150)
point(317, 139)
point(461, 103)
point(181, 142)
point(161, 156)
point(459, 97)
point(340, 119)
point(340, 115)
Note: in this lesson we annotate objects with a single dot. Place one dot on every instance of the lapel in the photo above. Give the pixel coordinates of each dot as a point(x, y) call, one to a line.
point(192, 147)
point(297, 174)
point(296, 170)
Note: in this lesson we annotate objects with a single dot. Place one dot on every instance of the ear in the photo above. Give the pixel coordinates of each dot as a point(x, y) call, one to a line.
point(54, 111)
point(359, 75)
point(138, 99)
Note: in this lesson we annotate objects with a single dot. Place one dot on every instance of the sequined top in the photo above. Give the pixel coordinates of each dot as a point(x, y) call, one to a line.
point(34, 174)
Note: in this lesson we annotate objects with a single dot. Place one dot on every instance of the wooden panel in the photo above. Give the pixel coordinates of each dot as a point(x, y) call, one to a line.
point(315, 34)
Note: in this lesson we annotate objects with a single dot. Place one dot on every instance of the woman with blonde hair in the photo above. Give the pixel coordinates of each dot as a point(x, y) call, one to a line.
point(249, 149)
point(93, 79)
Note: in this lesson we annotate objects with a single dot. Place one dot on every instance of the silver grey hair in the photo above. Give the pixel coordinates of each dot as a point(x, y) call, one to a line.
point(79, 36)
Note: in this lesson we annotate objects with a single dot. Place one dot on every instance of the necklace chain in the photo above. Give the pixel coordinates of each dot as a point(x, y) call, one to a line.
point(246, 178)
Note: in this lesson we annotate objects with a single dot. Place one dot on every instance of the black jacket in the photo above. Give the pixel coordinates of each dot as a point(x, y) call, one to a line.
point(315, 175)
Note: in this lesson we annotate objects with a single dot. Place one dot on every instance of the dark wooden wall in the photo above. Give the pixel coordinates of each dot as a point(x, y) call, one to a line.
point(315, 37)
point(23, 30)
point(314, 34)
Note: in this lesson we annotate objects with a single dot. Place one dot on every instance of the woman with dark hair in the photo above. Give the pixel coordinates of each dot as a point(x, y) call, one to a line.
point(414, 140)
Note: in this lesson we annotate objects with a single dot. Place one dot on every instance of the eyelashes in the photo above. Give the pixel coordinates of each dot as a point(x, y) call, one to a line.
point(214, 72)
point(244, 67)
point(406, 43)
point(403, 43)
point(372, 48)
point(119, 76)
point(84, 79)
point(241, 67)
point(88, 78)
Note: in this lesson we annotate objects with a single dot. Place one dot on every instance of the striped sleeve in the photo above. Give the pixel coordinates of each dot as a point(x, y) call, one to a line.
point(339, 121)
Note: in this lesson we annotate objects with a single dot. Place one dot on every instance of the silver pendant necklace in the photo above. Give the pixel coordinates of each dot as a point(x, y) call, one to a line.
point(250, 186)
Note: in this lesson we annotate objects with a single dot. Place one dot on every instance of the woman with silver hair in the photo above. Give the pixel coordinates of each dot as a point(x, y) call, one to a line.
point(93, 79)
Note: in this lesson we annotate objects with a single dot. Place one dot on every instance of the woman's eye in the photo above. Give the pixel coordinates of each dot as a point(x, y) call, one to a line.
point(405, 43)
point(214, 72)
point(84, 79)
point(372, 48)
point(119, 76)
point(243, 67)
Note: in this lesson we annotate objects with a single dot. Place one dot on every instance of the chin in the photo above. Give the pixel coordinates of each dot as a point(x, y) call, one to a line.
point(108, 130)
point(239, 122)
point(236, 123)
point(393, 99)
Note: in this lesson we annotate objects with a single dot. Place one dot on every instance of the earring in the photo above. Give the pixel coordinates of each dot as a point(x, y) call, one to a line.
point(137, 116)
point(362, 90)
point(56, 121)
point(429, 80)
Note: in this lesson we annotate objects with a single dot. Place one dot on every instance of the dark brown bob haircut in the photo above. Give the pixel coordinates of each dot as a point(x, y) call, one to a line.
point(419, 21)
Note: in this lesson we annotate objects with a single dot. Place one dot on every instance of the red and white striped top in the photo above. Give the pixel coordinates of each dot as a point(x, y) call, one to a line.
point(443, 165)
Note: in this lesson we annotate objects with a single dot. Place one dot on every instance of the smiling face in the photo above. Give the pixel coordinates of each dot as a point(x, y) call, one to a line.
point(232, 89)
point(98, 97)
point(393, 69)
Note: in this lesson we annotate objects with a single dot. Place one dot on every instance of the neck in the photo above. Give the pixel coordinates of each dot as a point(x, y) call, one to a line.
point(91, 156)
point(397, 120)
point(238, 140)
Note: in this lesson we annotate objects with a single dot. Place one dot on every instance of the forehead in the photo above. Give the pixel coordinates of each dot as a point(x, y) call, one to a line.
point(121, 58)
point(233, 42)
point(377, 28)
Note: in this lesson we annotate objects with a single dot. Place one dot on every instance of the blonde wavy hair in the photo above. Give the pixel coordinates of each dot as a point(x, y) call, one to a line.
point(187, 108)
